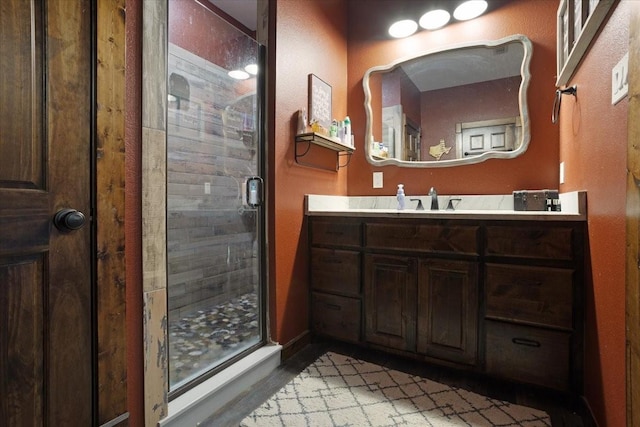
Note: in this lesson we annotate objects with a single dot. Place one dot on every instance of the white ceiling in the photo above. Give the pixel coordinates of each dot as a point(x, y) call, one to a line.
point(244, 11)
point(465, 66)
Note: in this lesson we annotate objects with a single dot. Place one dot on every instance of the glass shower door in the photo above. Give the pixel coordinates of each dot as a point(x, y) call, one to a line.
point(214, 229)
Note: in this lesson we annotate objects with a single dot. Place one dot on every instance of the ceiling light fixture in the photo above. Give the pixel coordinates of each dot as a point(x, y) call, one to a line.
point(434, 19)
point(403, 28)
point(470, 9)
point(251, 69)
point(238, 74)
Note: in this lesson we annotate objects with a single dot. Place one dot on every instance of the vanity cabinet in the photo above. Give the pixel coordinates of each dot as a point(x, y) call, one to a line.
point(502, 298)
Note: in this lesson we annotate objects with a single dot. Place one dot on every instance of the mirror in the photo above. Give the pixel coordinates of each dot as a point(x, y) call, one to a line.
point(458, 105)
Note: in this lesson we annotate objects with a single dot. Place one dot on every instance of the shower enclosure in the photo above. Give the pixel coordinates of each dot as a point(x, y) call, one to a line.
point(214, 194)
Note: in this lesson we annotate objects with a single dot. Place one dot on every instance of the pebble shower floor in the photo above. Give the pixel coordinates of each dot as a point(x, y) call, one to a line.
point(206, 336)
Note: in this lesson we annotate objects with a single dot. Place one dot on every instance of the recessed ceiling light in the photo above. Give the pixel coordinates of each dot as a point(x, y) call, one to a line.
point(434, 19)
point(251, 69)
point(470, 9)
point(238, 74)
point(403, 28)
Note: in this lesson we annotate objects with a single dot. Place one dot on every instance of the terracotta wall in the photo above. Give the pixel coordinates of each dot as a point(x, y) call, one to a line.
point(310, 39)
point(593, 140)
point(368, 45)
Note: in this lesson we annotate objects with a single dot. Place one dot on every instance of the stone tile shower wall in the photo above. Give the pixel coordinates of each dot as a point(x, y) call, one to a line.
point(210, 153)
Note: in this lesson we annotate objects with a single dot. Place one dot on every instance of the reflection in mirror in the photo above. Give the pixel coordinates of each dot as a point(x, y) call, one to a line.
point(459, 105)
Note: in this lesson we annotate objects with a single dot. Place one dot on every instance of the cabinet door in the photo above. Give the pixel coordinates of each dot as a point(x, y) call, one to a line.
point(448, 310)
point(390, 303)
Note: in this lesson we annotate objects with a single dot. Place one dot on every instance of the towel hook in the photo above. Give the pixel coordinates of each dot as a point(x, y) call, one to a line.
point(555, 114)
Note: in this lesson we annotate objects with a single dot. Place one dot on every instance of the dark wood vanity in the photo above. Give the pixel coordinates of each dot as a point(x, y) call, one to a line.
point(499, 297)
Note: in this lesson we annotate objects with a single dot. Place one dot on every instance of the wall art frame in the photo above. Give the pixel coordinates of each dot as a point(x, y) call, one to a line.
point(578, 22)
point(319, 102)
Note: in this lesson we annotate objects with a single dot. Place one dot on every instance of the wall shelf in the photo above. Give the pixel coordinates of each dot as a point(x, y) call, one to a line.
point(306, 140)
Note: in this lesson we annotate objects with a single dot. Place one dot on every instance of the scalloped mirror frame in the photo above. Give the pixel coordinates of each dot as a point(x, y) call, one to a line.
point(522, 102)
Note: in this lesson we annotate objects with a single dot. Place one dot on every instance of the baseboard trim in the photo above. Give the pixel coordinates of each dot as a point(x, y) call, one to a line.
point(296, 344)
point(120, 419)
point(587, 412)
point(202, 401)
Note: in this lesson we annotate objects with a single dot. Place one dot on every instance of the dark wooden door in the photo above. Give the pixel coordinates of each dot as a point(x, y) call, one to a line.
point(448, 310)
point(390, 301)
point(45, 273)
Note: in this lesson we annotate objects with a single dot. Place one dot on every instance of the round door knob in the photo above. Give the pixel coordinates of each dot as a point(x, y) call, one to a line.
point(69, 220)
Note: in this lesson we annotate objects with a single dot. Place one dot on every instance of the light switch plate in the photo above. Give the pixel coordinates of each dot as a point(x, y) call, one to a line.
point(620, 80)
point(561, 172)
point(207, 188)
point(377, 180)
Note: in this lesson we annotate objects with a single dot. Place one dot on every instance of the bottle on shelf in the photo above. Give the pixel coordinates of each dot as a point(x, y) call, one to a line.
point(302, 121)
point(347, 140)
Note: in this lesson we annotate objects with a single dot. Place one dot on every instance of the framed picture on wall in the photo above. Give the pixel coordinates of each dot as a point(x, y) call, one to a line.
point(578, 16)
point(565, 33)
point(319, 102)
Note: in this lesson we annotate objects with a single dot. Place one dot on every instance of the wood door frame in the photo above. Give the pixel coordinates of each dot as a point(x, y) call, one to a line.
point(633, 224)
point(111, 328)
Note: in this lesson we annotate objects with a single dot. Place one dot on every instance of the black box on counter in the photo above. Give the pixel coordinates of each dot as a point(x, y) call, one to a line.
point(536, 200)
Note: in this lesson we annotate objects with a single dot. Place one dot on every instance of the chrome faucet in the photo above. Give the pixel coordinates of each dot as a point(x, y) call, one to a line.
point(451, 200)
point(419, 207)
point(434, 199)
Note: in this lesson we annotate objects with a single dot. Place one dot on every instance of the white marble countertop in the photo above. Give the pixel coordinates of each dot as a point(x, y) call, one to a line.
point(485, 207)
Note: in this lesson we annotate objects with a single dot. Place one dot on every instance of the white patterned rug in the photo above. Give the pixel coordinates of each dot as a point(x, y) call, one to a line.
point(337, 390)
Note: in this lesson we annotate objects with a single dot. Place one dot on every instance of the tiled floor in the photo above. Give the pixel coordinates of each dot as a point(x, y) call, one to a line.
point(563, 412)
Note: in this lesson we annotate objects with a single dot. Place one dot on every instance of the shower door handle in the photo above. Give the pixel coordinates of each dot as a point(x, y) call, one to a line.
point(255, 191)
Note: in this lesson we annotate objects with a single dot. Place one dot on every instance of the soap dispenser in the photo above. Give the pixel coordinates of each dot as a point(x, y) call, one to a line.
point(400, 197)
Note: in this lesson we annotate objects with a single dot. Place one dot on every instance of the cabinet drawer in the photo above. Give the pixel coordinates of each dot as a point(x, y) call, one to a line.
point(528, 354)
point(537, 295)
point(335, 270)
point(343, 233)
point(423, 237)
point(541, 242)
point(334, 316)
